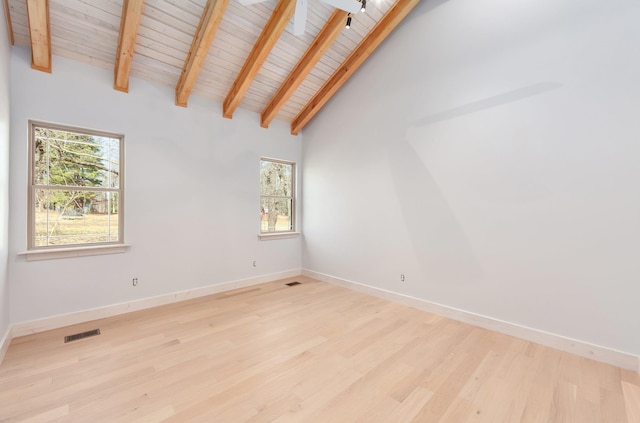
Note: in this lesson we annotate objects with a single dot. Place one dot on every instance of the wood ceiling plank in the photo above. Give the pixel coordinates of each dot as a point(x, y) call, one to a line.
point(129, 22)
point(316, 50)
point(40, 34)
point(71, 51)
point(7, 15)
point(76, 12)
point(107, 6)
point(382, 29)
point(84, 31)
point(259, 53)
point(211, 17)
point(168, 21)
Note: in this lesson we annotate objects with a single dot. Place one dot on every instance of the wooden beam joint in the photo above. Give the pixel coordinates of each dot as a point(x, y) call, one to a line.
point(7, 15)
point(40, 34)
point(261, 49)
point(326, 37)
point(209, 22)
point(129, 22)
point(374, 38)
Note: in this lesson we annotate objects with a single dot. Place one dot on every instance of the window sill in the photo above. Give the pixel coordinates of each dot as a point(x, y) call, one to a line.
point(55, 253)
point(278, 235)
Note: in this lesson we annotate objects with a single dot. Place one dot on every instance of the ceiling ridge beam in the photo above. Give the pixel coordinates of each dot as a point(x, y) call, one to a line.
point(209, 22)
point(261, 49)
point(317, 49)
point(383, 28)
point(129, 23)
point(7, 15)
point(40, 34)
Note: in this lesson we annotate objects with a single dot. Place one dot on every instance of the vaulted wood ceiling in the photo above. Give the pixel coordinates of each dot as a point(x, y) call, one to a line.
point(240, 56)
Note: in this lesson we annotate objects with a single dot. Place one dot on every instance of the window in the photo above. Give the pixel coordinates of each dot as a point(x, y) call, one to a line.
point(75, 190)
point(277, 199)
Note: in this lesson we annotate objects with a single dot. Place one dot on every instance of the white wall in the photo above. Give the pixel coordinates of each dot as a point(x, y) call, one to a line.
point(5, 88)
point(489, 150)
point(191, 191)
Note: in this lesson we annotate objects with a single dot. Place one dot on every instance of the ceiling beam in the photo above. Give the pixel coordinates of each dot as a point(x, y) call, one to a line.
point(7, 15)
point(383, 28)
point(209, 22)
point(314, 53)
point(259, 53)
point(129, 22)
point(40, 34)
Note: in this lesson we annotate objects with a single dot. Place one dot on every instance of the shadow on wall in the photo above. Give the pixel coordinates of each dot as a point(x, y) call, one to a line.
point(440, 243)
point(487, 103)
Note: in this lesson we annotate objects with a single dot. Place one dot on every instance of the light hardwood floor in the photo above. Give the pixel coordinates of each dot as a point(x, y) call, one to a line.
point(309, 353)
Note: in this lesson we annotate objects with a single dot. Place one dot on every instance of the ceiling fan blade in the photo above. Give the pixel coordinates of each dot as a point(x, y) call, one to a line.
point(250, 2)
point(352, 6)
point(300, 17)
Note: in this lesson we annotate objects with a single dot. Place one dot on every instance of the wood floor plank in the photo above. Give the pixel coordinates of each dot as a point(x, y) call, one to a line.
point(632, 401)
point(310, 353)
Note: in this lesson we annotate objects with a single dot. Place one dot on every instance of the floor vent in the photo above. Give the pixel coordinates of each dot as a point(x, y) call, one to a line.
point(81, 335)
point(293, 283)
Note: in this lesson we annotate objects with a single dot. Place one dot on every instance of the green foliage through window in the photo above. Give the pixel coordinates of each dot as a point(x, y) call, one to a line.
point(75, 187)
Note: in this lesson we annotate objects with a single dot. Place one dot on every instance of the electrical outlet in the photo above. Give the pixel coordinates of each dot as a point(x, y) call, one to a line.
point(402, 277)
point(135, 281)
point(254, 264)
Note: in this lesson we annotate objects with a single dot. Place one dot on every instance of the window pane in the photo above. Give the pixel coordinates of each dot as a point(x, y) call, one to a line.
point(276, 215)
point(41, 217)
point(75, 217)
point(40, 173)
point(276, 178)
point(72, 159)
point(114, 163)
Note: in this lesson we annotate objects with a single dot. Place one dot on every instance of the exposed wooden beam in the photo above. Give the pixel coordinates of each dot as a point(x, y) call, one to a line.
point(314, 53)
point(7, 15)
point(40, 34)
point(373, 39)
point(209, 22)
point(129, 22)
point(259, 53)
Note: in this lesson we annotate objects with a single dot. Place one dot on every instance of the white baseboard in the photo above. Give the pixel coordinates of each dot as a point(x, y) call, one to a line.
point(54, 322)
point(4, 342)
point(583, 349)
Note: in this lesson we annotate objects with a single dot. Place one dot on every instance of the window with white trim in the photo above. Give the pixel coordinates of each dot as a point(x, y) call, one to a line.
point(75, 189)
point(277, 196)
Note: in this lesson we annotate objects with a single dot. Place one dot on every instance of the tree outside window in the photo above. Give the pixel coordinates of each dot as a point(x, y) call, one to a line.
point(277, 200)
point(76, 187)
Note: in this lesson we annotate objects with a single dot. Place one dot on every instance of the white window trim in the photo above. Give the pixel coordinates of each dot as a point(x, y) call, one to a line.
point(277, 235)
point(73, 250)
point(266, 236)
point(82, 251)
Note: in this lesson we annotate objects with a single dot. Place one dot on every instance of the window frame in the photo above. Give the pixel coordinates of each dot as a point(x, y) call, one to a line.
point(66, 250)
point(294, 176)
